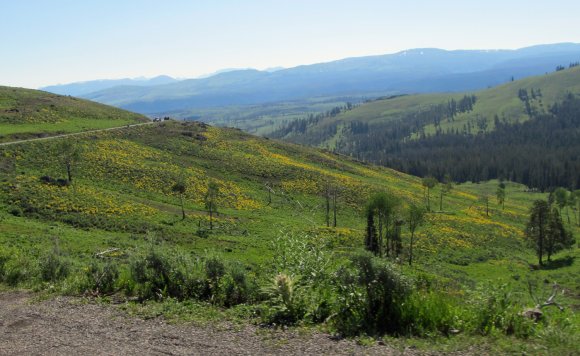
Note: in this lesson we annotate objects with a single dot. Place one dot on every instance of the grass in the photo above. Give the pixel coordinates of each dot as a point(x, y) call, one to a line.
point(502, 101)
point(121, 198)
point(70, 126)
point(31, 113)
point(266, 118)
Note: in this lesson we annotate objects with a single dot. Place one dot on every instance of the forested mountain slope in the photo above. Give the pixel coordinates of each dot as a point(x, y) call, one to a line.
point(526, 130)
point(188, 220)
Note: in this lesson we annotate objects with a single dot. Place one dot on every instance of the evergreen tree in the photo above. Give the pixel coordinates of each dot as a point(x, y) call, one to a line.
point(446, 188)
point(561, 199)
point(558, 237)
point(179, 187)
point(371, 241)
point(576, 205)
point(416, 218)
point(429, 183)
point(500, 195)
point(537, 227)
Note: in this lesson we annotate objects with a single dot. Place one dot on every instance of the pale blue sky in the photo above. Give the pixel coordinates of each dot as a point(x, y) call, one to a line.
point(60, 41)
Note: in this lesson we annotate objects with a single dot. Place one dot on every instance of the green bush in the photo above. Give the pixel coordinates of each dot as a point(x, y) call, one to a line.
point(100, 278)
point(370, 297)
point(53, 267)
point(284, 304)
point(159, 275)
point(156, 276)
point(426, 313)
point(497, 310)
point(301, 255)
point(319, 300)
point(18, 269)
point(3, 261)
point(235, 288)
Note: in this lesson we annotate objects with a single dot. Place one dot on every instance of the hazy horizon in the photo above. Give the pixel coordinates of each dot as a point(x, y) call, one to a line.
point(66, 41)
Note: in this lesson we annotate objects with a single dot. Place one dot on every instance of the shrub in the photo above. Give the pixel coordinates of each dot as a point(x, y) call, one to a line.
point(100, 278)
point(18, 269)
point(214, 271)
point(3, 260)
point(157, 277)
point(370, 297)
point(319, 300)
point(284, 305)
point(497, 309)
point(302, 256)
point(235, 288)
point(53, 266)
point(427, 312)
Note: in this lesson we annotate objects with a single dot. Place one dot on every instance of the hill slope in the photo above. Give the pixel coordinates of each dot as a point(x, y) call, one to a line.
point(393, 131)
point(123, 205)
point(191, 221)
point(124, 179)
point(412, 71)
point(31, 113)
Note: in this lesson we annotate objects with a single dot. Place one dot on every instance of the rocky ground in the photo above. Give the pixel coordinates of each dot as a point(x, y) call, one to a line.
point(73, 326)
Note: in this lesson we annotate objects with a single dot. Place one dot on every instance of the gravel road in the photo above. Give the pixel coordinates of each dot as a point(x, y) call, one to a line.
point(73, 326)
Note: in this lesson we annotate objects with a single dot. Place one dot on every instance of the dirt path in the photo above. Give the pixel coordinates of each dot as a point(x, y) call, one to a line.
point(71, 326)
point(73, 134)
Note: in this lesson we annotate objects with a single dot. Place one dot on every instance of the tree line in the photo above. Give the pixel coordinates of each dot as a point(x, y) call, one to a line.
point(301, 126)
point(541, 152)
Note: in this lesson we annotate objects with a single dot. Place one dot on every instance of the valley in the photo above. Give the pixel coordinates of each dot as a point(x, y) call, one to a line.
point(290, 178)
point(183, 220)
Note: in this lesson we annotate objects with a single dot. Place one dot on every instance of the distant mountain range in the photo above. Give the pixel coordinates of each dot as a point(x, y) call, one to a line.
point(83, 88)
point(412, 71)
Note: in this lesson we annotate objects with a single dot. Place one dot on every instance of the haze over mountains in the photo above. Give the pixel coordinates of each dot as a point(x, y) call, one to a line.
point(82, 88)
point(412, 71)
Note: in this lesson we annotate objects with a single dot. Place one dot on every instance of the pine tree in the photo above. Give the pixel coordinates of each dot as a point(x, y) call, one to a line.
point(500, 195)
point(558, 237)
point(179, 187)
point(446, 188)
point(537, 227)
point(371, 242)
point(416, 217)
point(429, 183)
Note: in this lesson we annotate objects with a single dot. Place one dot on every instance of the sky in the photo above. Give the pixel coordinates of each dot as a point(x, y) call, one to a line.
point(62, 41)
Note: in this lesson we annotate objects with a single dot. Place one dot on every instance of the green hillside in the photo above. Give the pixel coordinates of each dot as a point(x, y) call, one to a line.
point(502, 101)
point(526, 131)
point(122, 212)
point(26, 113)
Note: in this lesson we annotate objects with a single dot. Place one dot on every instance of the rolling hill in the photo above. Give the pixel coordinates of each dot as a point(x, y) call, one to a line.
point(116, 230)
point(412, 71)
point(26, 113)
point(394, 131)
point(123, 185)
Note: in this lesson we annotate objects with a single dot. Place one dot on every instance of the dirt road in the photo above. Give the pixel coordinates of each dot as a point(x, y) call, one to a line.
point(73, 326)
point(72, 134)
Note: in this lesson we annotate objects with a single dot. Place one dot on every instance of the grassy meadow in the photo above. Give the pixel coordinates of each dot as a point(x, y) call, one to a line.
point(117, 229)
point(26, 113)
point(502, 101)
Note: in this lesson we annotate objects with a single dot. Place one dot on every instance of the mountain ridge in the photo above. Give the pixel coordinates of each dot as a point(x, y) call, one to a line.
point(89, 86)
point(410, 71)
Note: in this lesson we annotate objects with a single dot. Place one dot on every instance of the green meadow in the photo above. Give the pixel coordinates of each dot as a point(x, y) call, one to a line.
point(115, 228)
